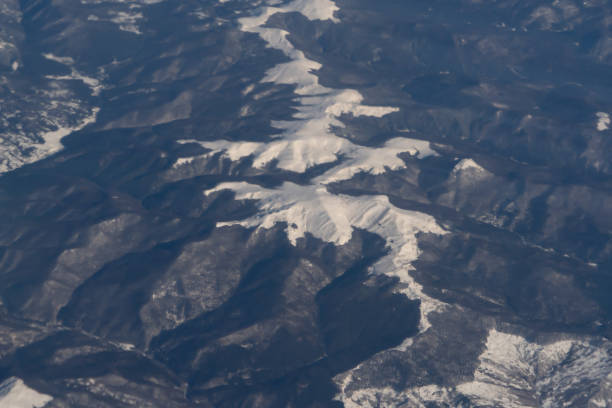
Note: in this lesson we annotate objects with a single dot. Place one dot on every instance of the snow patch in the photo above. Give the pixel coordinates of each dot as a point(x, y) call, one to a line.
point(61, 60)
point(5, 45)
point(468, 173)
point(15, 394)
point(93, 83)
point(126, 346)
point(467, 164)
point(184, 161)
point(127, 15)
point(52, 140)
point(248, 89)
point(127, 21)
point(603, 121)
point(129, 3)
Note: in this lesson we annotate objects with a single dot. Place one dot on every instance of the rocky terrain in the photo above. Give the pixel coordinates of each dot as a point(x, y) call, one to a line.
point(309, 203)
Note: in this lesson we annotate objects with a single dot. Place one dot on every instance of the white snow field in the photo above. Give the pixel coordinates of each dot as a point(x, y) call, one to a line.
point(15, 394)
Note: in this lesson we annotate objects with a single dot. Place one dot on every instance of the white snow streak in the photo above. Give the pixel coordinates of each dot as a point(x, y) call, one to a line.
point(93, 83)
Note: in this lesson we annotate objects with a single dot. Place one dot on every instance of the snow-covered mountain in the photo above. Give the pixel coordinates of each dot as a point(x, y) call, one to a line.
point(305, 203)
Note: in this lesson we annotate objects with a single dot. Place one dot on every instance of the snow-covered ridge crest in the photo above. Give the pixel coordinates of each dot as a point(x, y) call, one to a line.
point(306, 141)
point(356, 159)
